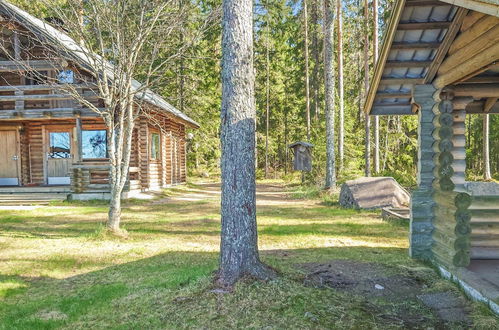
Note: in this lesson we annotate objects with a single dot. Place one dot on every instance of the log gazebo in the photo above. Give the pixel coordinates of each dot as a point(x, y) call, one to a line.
point(440, 61)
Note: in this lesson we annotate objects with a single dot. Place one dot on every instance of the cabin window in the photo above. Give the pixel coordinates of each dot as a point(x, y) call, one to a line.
point(155, 146)
point(94, 144)
point(36, 78)
point(60, 145)
point(66, 77)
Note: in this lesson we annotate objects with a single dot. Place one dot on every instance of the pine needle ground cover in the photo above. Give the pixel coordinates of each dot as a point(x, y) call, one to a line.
point(338, 268)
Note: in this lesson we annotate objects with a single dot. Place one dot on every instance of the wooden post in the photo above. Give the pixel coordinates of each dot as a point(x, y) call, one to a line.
point(421, 227)
point(79, 144)
point(19, 104)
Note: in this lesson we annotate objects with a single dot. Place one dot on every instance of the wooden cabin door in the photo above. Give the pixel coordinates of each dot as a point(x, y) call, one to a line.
point(59, 157)
point(9, 158)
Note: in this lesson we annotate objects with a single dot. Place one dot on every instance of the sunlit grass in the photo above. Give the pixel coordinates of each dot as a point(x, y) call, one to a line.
point(59, 268)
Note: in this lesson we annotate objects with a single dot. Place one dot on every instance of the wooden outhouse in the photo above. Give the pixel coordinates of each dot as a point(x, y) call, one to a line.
point(440, 62)
point(47, 139)
point(302, 152)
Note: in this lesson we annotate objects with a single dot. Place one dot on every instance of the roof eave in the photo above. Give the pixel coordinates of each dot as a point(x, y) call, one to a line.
point(385, 50)
point(482, 6)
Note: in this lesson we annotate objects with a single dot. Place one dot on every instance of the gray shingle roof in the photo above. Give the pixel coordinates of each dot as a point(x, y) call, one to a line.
point(79, 54)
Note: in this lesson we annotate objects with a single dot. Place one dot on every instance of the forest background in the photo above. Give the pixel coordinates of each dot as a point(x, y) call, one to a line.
point(193, 85)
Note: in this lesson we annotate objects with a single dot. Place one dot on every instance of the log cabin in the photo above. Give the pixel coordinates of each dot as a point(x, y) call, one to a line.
point(440, 61)
point(51, 142)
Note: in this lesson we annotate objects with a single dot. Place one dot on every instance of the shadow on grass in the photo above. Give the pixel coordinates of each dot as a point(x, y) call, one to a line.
point(61, 227)
point(146, 292)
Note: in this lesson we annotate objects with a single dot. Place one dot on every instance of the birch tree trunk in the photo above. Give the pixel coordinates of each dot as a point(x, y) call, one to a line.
point(239, 246)
point(316, 52)
point(376, 118)
point(341, 138)
point(367, 121)
point(307, 78)
point(329, 92)
point(486, 148)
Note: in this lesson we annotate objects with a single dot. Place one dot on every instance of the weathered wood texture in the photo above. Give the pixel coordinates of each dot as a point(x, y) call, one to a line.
point(421, 226)
point(451, 234)
point(473, 49)
point(34, 107)
point(484, 226)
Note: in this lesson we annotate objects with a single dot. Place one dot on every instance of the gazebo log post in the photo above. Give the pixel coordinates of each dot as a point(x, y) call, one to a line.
point(421, 227)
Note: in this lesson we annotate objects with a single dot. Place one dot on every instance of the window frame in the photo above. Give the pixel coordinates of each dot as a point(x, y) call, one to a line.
point(157, 155)
point(82, 142)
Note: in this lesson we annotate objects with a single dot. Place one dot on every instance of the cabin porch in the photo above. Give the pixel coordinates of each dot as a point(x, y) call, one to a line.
point(454, 222)
point(69, 156)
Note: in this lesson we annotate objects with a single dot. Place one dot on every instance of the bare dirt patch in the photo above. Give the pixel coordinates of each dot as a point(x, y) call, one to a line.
point(54, 315)
point(390, 294)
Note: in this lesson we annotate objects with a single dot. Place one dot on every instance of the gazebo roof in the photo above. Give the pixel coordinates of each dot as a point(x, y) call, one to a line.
point(305, 144)
point(417, 42)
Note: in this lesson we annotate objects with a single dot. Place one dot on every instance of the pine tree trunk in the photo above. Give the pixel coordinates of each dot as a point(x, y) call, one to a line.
point(329, 92)
point(376, 118)
point(367, 121)
point(239, 246)
point(341, 137)
point(307, 78)
point(267, 112)
point(486, 147)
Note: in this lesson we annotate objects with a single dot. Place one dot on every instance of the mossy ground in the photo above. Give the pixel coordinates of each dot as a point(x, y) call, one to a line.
point(59, 268)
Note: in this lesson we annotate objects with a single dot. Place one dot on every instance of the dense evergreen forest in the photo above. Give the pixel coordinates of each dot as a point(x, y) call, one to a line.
point(289, 40)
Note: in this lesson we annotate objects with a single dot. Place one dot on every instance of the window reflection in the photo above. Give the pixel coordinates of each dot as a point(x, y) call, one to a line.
point(154, 146)
point(65, 77)
point(94, 144)
point(60, 145)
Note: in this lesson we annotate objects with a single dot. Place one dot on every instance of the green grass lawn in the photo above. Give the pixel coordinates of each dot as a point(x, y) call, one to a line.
point(60, 270)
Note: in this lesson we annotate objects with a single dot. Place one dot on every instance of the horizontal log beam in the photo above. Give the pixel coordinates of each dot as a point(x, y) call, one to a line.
point(415, 45)
point(481, 80)
point(103, 167)
point(485, 253)
point(46, 113)
point(476, 91)
point(425, 3)
point(463, 69)
point(40, 97)
point(471, 19)
point(474, 48)
point(11, 66)
point(407, 64)
point(391, 109)
point(481, 6)
point(13, 88)
point(393, 95)
point(478, 106)
point(395, 81)
point(477, 29)
point(423, 26)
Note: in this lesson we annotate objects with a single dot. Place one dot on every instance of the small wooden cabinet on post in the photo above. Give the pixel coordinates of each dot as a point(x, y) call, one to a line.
point(302, 161)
